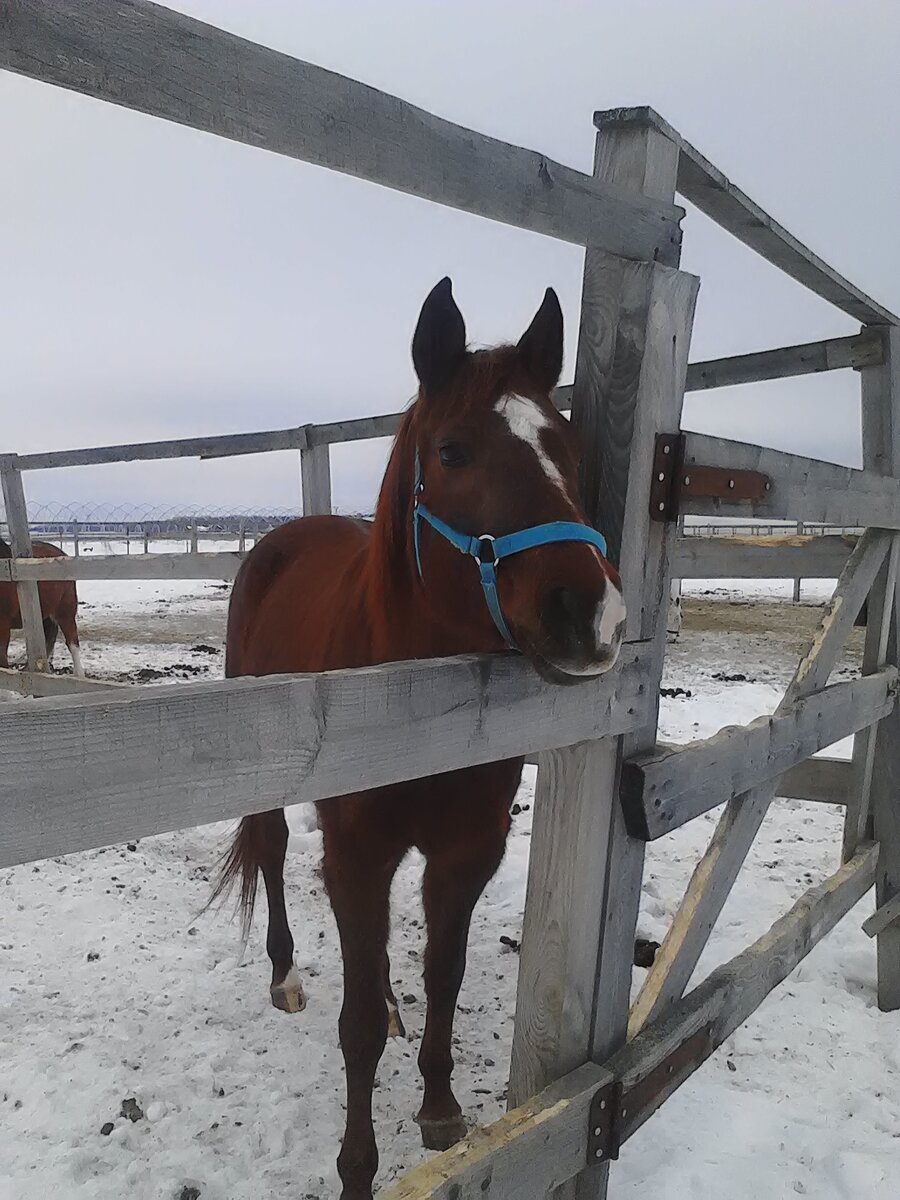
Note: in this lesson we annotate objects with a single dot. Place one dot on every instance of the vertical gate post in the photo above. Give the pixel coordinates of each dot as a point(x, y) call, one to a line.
point(585, 872)
point(875, 800)
point(20, 540)
point(315, 479)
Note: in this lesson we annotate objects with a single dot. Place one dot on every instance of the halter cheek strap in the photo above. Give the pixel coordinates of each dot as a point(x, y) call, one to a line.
point(488, 551)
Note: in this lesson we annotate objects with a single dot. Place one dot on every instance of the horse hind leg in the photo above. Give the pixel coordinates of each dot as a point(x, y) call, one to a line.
point(286, 988)
point(51, 629)
point(5, 630)
point(65, 620)
point(396, 1028)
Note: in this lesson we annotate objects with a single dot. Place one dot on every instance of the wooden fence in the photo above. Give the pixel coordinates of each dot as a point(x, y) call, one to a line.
point(586, 1072)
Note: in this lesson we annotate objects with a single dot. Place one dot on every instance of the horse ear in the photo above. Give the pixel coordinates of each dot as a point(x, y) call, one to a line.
point(541, 345)
point(439, 343)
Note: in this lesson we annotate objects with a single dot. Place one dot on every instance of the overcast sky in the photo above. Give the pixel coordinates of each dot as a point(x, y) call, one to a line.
point(159, 282)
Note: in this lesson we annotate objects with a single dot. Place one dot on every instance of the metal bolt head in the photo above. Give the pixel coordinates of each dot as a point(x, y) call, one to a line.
point(731, 483)
point(598, 1153)
point(687, 480)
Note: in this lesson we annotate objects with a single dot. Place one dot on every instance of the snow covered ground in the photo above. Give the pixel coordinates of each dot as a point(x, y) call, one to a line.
point(112, 987)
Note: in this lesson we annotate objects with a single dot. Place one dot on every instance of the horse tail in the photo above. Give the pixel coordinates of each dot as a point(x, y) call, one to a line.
point(239, 866)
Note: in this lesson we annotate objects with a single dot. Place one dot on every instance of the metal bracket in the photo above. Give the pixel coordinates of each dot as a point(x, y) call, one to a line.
point(616, 1111)
point(673, 482)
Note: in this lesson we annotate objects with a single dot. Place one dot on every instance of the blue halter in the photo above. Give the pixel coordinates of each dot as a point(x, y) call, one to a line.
point(488, 551)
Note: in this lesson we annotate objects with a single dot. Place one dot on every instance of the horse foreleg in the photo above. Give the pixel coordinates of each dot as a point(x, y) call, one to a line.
point(396, 1028)
point(5, 630)
point(359, 884)
point(454, 879)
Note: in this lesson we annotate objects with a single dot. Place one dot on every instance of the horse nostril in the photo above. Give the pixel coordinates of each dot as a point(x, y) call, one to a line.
point(564, 605)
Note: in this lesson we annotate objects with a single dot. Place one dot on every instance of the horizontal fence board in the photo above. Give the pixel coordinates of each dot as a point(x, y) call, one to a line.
point(705, 186)
point(535, 1148)
point(803, 489)
point(669, 787)
point(157, 61)
point(824, 780)
point(222, 565)
point(39, 683)
point(865, 349)
point(153, 759)
point(218, 446)
point(788, 556)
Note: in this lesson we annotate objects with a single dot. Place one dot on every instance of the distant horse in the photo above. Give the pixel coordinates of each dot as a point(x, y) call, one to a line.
point(59, 607)
point(482, 448)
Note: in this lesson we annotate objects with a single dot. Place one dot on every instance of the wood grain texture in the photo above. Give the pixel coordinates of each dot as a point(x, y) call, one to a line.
point(219, 565)
point(148, 760)
point(665, 789)
point(776, 557)
point(157, 61)
point(534, 1147)
point(20, 541)
point(709, 189)
point(803, 489)
point(578, 940)
point(315, 479)
point(716, 872)
point(882, 918)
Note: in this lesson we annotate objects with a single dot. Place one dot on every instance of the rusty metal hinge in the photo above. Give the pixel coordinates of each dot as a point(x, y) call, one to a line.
point(673, 482)
point(616, 1111)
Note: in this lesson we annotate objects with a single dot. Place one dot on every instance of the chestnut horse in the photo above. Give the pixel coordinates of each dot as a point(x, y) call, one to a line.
point(59, 607)
point(482, 448)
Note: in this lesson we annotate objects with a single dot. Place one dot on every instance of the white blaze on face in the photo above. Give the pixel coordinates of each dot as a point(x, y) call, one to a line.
point(527, 421)
point(609, 617)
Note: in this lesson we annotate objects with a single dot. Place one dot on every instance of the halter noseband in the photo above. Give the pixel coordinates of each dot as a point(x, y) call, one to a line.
point(488, 551)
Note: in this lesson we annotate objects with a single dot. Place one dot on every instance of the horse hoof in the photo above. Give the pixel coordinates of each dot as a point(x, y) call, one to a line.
point(442, 1134)
point(289, 995)
point(396, 1028)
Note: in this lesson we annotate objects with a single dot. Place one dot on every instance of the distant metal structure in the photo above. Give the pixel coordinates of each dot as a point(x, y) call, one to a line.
point(586, 1073)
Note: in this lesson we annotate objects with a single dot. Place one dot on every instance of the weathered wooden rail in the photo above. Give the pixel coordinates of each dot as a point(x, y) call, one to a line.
point(587, 1072)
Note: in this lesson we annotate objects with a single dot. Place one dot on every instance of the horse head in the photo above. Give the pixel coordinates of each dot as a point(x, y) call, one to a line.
point(496, 478)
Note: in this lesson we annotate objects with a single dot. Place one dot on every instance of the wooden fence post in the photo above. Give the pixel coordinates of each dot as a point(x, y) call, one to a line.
point(875, 799)
point(585, 872)
point(315, 478)
point(20, 540)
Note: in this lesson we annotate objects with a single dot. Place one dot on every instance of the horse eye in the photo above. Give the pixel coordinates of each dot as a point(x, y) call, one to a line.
point(452, 454)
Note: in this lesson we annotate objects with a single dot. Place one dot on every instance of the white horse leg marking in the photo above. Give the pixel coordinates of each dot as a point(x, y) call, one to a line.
point(75, 651)
point(289, 995)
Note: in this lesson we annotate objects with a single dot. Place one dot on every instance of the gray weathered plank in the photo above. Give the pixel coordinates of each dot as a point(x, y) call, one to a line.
point(148, 760)
point(315, 478)
point(881, 762)
point(160, 62)
point(577, 945)
point(861, 350)
point(667, 788)
point(882, 918)
point(823, 780)
point(803, 489)
point(535, 1147)
point(709, 189)
point(20, 541)
point(716, 872)
point(222, 445)
point(219, 565)
point(777, 557)
point(40, 683)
